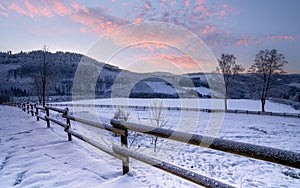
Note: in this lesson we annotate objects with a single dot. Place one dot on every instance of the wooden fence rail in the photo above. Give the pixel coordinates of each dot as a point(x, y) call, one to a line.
point(279, 114)
point(122, 152)
point(279, 156)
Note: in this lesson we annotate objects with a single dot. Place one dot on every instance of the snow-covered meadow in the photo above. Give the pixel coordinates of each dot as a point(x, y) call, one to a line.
point(28, 148)
point(234, 104)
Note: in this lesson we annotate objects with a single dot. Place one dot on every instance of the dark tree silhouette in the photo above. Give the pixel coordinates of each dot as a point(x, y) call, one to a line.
point(42, 76)
point(229, 69)
point(267, 64)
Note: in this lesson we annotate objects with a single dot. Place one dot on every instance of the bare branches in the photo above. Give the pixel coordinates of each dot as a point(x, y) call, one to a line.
point(229, 69)
point(157, 118)
point(267, 63)
point(43, 77)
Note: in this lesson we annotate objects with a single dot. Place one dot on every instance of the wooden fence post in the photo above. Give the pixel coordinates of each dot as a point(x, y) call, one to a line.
point(65, 115)
point(124, 142)
point(47, 115)
point(37, 113)
point(31, 107)
point(27, 105)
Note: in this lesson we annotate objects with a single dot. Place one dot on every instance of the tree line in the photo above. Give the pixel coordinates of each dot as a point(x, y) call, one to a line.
point(267, 65)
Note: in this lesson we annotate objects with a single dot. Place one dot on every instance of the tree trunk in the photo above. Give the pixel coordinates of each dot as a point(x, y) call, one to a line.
point(225, 102)
point(263, 102)
point(44, 80)
point(225, 98)
point(43, 93)
point(155, 144)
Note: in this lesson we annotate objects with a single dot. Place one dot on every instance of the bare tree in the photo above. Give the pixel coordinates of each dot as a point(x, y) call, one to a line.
point(42, 76)
point(229, 69)
point(157, 118)
point(267, 64)
point(38, 87)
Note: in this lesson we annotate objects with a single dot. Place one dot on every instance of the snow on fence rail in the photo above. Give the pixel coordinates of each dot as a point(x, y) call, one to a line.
point(283, 157)
point(280, 114)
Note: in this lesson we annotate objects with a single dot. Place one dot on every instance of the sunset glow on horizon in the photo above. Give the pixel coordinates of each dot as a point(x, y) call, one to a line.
point(238, 27)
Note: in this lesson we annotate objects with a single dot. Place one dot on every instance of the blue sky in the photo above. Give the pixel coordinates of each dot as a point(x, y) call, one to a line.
point(240, 27)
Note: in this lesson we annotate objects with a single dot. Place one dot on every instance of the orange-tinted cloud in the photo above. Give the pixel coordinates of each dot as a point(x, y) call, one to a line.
point(97, 21)
point(101, 21)
point(136, 20)
point(39, 8)
point(243, 41)
point(92, 20)
point(180, 60)
point(195, 20)
point(169, 54)
point(183, 61)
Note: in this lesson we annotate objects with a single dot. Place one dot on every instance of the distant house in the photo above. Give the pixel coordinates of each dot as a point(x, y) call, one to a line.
point(153, 88)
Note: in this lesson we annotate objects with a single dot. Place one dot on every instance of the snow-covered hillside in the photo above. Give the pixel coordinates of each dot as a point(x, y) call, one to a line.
point(34, 156)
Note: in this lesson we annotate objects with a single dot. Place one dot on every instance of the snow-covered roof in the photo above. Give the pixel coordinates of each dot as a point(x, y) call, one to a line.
point(161, 87)
point(154, 87)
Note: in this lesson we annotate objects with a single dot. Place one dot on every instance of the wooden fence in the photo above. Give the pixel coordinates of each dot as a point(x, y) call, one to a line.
point(279, 114)
point(122, 152)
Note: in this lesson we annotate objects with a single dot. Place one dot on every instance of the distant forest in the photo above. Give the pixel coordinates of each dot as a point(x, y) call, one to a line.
point(19, 73)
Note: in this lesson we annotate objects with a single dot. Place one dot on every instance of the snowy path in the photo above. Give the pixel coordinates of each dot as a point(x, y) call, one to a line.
point(33, 156)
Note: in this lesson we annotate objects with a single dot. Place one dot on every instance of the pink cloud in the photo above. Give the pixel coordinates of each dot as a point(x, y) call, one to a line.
point(15, 7)
point(38, 9)
point(83, 30)
point(92, 20)
point(258, 40)
point(2, 7)
point(100, 20)
point(162, 3)
point(158, 51)
point(3, 11)
point(225, 10)
point(285, 37)
point(60, 8)
point(33, 8)
point(147, 5)
point(97, 20)
point(136, 20)
point(187, 3)
point(243, 41)
point(209, 29)
point(77, 7)
point(3, 14)
point(181, 60)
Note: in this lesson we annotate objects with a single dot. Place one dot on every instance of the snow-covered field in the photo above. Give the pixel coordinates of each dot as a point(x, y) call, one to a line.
point(34, 156)
point(234, 104)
